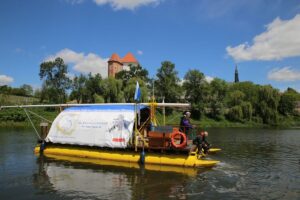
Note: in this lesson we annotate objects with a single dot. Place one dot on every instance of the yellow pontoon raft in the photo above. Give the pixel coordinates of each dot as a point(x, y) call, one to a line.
point(117, 132)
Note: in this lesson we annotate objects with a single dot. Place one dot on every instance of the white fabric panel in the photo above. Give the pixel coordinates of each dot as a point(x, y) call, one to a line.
point(93, 127)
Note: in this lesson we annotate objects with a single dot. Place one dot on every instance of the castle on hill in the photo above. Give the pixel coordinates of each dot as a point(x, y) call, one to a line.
point(117, 64)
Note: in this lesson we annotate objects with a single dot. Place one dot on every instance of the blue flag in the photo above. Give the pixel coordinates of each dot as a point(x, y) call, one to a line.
point(137, 94)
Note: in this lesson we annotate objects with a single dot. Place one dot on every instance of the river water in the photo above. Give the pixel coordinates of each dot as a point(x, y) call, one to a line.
point(255, 164)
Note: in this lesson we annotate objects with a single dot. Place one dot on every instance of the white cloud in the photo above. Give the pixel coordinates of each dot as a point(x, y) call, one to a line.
point(280, 40)
point(127, 4)
point(140, 52)
point(5, 80)
point(284, 74)
point(83, 63)
point(209, 79)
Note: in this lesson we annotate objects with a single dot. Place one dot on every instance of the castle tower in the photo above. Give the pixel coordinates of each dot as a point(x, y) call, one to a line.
point(236, 75)
point(115, 65)
point(129, 59)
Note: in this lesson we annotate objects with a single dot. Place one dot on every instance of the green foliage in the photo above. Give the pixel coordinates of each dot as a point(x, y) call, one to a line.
point(217, 110)
point(217, 94)
point(98, 98)
point(24, 90)
point(167, 83)
point(287, 102)
point(86, 88)
point(12, 115)
point(112, 91)
point(27, 89)
point(249, 89)
point(129, 90)
point(236, 98)
point(197, 91)
point(137, 72)
point(3, 99)
point(54, 74)
point(93, 86)
point(235, 113)
point(268, 99)
point(79, 89)
point(247, 110)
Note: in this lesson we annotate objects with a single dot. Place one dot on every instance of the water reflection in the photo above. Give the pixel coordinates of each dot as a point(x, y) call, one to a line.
point(89, 178)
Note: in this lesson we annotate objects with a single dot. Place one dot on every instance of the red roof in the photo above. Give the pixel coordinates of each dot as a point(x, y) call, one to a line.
point(115, 57)
point(129, 58)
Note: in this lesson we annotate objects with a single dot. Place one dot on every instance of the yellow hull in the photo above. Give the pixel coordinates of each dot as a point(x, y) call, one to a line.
point(129, 157)
point(214, 150)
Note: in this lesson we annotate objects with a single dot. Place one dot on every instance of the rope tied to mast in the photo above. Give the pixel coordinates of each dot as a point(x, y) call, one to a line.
point(37, 133)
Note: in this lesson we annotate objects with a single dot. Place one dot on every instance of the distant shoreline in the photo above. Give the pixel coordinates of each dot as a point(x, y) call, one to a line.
point(199, 124)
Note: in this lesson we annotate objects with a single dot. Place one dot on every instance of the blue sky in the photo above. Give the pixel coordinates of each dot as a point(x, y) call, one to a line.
point(262, 37)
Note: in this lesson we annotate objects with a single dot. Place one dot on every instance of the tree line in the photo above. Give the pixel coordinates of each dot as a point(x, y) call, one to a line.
point(218, 99)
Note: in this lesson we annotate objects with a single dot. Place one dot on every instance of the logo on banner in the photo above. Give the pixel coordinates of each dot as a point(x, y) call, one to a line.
point(67, 124)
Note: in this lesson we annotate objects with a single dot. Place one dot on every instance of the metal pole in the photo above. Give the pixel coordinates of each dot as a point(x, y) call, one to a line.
point(135, 126)
point(164, 112)
point(178, 105)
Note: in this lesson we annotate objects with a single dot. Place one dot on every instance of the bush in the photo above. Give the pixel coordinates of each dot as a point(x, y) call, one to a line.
point(12, 115)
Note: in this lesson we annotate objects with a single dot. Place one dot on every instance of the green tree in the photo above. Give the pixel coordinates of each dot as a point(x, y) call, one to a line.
point(135, 71)
point(287, 102)
point(218, 91)
point(167, 83)
point(94, 86)
point(78, 89)
point(112, 90)
point(239, 109)
point(5, 89)
point(235, 98)
point(56, 83)
point(196, 91)
point(247, 110)
point(129, 90)
point(249, 89)
point(269, 100)
point(86, 89)
point(27, 89)
point(235, 113)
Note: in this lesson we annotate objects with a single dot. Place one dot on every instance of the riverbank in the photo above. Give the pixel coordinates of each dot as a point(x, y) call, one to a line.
point(206, 122)
point(17, 118)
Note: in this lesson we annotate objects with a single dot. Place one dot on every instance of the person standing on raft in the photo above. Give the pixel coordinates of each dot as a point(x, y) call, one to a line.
point(185, 124)
point(200, 143)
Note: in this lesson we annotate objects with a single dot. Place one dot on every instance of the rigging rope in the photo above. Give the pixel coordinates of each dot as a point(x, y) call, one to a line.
point(37, 133)
point(40, 116)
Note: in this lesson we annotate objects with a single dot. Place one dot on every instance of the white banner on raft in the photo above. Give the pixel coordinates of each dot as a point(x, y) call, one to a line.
point(103, 126)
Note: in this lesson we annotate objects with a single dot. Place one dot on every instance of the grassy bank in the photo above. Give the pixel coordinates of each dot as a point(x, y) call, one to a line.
point(18, 118)
point(206, 122)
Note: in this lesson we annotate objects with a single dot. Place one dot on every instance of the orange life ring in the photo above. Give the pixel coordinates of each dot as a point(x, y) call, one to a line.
point(182, 144)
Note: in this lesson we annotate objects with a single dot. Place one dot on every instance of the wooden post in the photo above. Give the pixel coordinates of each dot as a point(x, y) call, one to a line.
point(44, 130)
